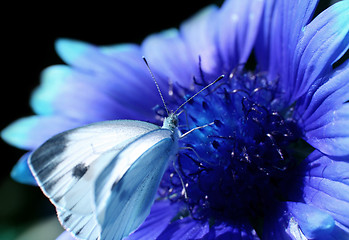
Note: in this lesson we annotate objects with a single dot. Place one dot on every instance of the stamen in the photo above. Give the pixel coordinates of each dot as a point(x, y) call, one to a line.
point(230, 164)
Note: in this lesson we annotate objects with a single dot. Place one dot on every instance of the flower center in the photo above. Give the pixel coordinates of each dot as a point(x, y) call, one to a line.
point(233, 167)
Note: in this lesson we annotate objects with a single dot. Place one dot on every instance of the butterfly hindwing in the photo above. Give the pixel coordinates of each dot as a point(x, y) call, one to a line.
point(67, 165)
point(130, 198)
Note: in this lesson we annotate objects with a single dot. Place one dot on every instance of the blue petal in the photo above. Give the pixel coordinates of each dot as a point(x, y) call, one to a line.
point(313, 222)
point(331, 137)
point(320, 197)
point(65, 236)
point(223, 231)
point(237, 27)
point(299, 54)
point(279, 32)
point(18, 133)
point(30, 132)
point(53, 79)
point(327, 94)
point(72, 51)
point(199, 35)
point(118, 50)
point(339, 232)
point(263, 41)
point(186, 228)
point(323, 116)
point(109, 89)
point(169, 57)
point(326, 186)
point(21, 172)
point(198, 38)
point(333, 168)
point(160, 216)
point(294, 220)
point(325, 39)
point(67, 92)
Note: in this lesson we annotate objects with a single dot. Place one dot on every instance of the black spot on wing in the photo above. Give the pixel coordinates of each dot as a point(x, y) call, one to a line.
point(79, 170)
point(66, 219)
point(79, 231)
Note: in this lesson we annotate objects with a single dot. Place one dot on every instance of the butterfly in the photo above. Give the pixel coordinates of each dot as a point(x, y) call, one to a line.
point(103, 177)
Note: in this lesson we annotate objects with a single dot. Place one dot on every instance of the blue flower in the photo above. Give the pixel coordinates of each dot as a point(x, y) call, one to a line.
point(273, 163)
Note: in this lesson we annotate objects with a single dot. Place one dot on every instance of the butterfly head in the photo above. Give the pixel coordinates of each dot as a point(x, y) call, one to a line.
point(171, 122)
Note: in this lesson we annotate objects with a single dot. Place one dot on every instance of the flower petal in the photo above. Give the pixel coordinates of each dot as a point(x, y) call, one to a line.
point(224, 231)
point(339, 232)
point(299, 54)
point(326, 186)
point(71, 50)
point(285, 225)
point(279, 225)
point(279, 33)
point(128, 57)
point(199, 35)
point(67, 92)
point(237, 27)
point(325, 39)
point(323, 114)
point(186, 228)
point(105, 83)
point(21, 172)
point(121, 49)
point(263, 40)
point(169, 57)
point(321, 198)
point(333, 168)
point(328, 93)
point(53, 79)
point(323, 211)
point(160, 216)
point(331, 135)
point(30, 132)
point(313, 222)
point(80, 54)
point(65, 236)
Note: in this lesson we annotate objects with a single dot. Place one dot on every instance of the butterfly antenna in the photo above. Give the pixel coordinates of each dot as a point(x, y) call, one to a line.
point(157, 85)
point(209, 85)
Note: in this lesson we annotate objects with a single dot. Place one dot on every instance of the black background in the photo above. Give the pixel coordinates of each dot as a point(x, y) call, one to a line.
point(28, 33)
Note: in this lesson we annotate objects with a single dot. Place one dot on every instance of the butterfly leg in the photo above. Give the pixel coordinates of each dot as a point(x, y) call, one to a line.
point(184, 191)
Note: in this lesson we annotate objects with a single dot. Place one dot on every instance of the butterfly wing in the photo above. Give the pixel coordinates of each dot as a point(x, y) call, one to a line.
point(123, 204)
point(80, 225)
point(67, 165)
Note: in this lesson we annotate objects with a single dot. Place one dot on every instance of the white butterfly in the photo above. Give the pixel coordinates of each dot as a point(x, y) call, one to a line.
point(102, 178)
